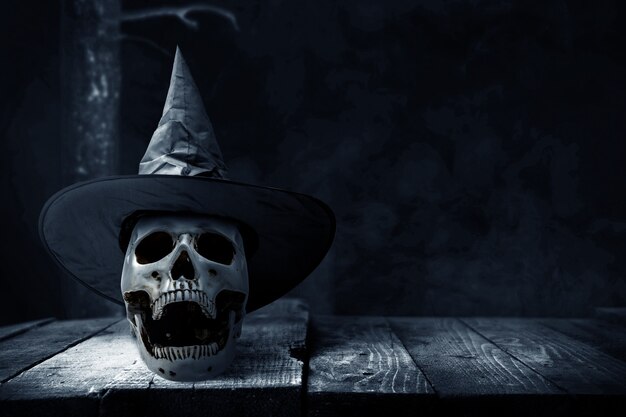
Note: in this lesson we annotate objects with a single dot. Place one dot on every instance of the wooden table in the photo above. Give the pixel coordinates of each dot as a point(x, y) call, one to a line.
point(290, 363)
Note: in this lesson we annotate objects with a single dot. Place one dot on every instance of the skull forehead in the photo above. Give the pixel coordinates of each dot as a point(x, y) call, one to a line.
point(185, 223)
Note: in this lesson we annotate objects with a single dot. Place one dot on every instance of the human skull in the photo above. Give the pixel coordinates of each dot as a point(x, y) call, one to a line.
point(185, 286)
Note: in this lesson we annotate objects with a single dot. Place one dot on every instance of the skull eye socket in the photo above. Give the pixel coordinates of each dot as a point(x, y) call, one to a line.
point(215, 248)
point(154, 247)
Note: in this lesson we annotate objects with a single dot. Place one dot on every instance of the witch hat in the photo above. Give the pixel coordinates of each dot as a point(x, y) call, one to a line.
point(85, 227)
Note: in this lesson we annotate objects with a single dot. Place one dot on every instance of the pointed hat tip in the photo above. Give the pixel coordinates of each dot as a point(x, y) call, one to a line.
point(184, 137)
point(178, 56)
point(183, 96)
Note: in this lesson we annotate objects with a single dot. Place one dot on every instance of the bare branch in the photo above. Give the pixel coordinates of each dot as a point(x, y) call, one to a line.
point(147, 42)
point(181, 13)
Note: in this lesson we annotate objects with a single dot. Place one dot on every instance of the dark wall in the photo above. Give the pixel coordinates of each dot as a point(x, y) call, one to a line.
point(473, 152)
point(29, 160)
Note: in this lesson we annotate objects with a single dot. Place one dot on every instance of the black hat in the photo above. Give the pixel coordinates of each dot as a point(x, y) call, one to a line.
point(85, 226)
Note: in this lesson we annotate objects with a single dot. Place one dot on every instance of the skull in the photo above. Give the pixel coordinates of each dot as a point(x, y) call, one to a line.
point(185, 286)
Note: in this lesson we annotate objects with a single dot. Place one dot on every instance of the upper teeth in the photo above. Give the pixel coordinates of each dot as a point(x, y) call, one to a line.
point(200, 297)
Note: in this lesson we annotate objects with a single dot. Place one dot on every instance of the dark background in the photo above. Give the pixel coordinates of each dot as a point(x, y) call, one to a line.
point(473, 151)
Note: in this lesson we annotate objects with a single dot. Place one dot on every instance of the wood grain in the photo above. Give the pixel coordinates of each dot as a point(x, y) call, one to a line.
point(70, 382)
point(11, 330)
point(27, 349)
point(461, 363)
point(105, 376)
point(572, 365)
point(359, 366)
point(602, 335)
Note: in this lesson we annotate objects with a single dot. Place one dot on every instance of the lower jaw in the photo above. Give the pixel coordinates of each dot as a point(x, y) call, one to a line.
point(195, 351)
point(176, 353)
point(190, 370)
point(187, 363)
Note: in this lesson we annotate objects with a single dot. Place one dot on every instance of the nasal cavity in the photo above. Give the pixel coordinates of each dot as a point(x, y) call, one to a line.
point(183, 268)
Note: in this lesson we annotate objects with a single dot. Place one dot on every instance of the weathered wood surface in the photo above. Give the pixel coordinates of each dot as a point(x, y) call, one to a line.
point(37, 344)
point(358, 366)
point(461, 363)
point(603, 335)
point(70, 383)
point(572, 365)
point(105, 376)
point(472, 376)
point(9, 331)
point(342, 366)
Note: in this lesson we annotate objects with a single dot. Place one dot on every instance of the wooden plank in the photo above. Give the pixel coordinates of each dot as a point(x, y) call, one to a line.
point(570, 364)
point(474, 377)
point(461, 363)
point(11, 330)
point(105, 376)
point(359, 366)
point(36, 345)
point(602, 335)
point(264, 379)
point(69, 383)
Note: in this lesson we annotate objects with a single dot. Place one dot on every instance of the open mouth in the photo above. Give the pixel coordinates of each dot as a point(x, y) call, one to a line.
point(184, 330)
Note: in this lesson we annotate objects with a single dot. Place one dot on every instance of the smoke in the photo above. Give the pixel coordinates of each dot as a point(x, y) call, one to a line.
point(456, 192)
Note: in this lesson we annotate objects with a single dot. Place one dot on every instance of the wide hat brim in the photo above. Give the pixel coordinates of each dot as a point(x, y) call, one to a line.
point(80, 227)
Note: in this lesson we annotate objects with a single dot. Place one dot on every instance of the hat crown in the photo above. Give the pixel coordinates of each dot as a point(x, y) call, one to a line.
point(184, 142)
